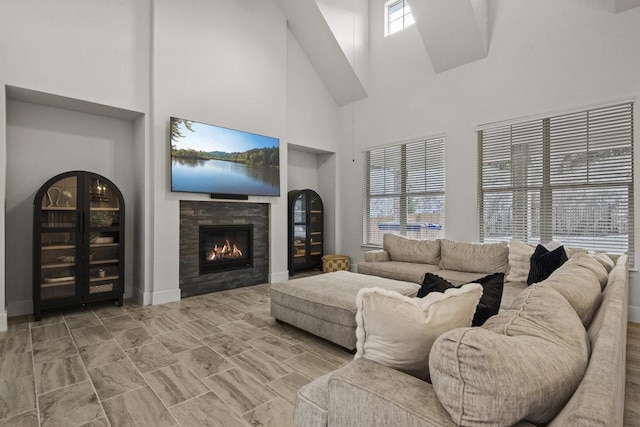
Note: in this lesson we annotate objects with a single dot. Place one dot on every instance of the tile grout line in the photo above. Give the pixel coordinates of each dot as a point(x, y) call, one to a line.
point(33, 365)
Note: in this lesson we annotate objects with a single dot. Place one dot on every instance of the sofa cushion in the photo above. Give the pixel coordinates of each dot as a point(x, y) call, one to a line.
point(591, 263)
point(545, 261)
point(458, 278)
point(489, 305)
point(519, 261)
point(397, 270)
point(397, 331)
point(580, 287)
point(401, 248)
point(474, 257)
point(605, 260)
point(524, 363)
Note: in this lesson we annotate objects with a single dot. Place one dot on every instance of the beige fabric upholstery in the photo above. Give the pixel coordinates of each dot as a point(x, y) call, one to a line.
point(378, 255)
point(401, 248)
point(519, 261)
point(524, 363)
point(398, 270)
point(605, 260)
point(398, 331)
point(458, 278)
point(579, 286)
point(474, 257)
point(312, 402)
point(591, 263)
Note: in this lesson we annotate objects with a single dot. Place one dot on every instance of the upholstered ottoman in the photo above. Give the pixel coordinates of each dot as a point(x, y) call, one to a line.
point(325, 305)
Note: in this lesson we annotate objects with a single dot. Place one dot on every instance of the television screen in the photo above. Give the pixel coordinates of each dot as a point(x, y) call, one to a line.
point(217, 160)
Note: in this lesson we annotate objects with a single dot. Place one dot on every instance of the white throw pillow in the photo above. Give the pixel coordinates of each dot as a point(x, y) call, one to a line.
point(398, 331)
point(519, 261)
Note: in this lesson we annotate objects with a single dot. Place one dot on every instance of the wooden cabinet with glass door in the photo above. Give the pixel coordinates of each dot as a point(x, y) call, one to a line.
point(306, 231)
point(78, 237)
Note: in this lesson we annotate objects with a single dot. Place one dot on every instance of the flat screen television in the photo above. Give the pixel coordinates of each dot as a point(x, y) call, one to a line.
point(223, 162)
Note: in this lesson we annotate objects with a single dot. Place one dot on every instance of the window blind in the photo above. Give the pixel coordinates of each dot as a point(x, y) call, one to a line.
point(566, 177)
point(404, 190)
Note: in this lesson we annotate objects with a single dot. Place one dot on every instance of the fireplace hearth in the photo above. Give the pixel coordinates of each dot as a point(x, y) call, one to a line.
point(225, 247)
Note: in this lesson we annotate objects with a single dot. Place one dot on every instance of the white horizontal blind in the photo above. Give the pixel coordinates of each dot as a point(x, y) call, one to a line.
point(567, 178)
point(404, 190)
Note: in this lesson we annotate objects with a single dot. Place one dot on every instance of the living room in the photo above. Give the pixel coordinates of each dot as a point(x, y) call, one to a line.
point(92, 86)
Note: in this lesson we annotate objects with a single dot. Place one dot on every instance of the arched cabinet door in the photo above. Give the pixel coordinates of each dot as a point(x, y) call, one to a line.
point(78, 241)
point(306, 230)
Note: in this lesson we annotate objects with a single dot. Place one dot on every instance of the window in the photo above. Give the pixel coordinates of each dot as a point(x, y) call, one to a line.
point(404, 191)
point(567, 177)
point(397, 15)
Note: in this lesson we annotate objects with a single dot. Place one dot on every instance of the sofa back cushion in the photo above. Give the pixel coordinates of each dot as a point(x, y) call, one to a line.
point(523, 363)
point(398, 331)
point(474, 257)
point(401, 248)
point(591, 263)
point(519, 261)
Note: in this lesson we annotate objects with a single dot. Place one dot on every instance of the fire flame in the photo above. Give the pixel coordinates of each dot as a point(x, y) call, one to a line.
point(226, 251)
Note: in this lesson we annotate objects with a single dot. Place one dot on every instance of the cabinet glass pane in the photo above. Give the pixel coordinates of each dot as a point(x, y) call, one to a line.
point(299, 240)
point(59, 203)
point(104, 257)
point(300, 209)
point(104, 205)
point(58, 265)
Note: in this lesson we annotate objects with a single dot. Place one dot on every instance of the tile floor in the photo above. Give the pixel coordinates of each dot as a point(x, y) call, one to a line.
point(214, 360)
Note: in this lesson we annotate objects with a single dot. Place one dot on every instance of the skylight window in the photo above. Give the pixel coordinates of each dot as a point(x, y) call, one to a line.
point(397, 16)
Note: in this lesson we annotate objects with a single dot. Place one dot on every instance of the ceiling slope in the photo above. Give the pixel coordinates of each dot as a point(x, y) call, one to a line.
point(613, 6)
point(308, 25)
point(454, 32)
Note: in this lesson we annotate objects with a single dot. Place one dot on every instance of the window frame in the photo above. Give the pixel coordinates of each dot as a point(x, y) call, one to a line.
point(406, 11)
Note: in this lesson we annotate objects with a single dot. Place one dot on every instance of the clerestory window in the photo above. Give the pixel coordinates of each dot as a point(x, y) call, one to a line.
point(397, 15)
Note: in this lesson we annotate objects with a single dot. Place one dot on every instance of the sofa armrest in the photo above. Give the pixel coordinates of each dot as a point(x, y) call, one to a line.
point(365, 393)
point(378, 255)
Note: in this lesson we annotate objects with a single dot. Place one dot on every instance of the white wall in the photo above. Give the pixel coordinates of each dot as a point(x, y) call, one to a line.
point(41, 143)
point(544, 56)
point(302, 170)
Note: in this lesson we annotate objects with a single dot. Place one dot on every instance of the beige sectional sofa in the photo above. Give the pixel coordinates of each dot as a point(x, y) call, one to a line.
point(555, 354)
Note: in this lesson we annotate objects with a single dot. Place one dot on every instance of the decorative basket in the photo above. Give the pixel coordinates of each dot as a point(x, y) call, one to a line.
point(331, 263)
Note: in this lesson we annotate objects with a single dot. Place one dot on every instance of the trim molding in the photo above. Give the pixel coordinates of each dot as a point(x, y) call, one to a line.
point(18, 308)
point(281, 276)
point(3, 322)
point(634, 314)
point(164, 297)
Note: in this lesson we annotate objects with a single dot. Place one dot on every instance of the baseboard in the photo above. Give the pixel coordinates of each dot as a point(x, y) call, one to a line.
point(3, 322)
point(281, 276)
point(164, 297)
point(634, 314)
point(18, 308)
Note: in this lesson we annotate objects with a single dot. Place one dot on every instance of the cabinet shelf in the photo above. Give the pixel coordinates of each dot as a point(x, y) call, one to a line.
point(59, 208)
point(57, 284)
point(58, 265)
point(57, 247)
point(102, 279)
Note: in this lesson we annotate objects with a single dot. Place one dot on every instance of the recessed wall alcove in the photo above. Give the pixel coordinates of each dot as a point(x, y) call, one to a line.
point(194, 215)
point(49, 134)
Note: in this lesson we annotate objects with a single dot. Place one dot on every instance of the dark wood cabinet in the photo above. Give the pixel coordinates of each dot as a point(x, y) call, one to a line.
point(306, 230)
point(78, 242)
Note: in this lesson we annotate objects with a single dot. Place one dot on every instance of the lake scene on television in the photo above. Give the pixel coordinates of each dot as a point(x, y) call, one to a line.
point(213, 159)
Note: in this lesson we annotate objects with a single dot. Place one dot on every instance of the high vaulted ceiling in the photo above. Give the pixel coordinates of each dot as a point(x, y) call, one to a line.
point(334, 36)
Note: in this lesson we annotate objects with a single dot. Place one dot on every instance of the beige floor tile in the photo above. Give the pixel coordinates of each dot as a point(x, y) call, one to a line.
point(178, 341)
point(242, 330)
point(287, 387)
point(48, 318)
point(58, 373)
point(203, 361)
point(73, 405)
point(137, 408)
point(175, 384)
point(143, 313)
point(207, 410)
point(119, 323)
point(27, 419)
point(82, 320)
point(91, 335)
point(276, 413)
point(275, 347)
point(49, 332)
point(158, 325)
point(136, 337)
point(257, 320)
point(225, 344)
point(326, 350)
point(287, 333)
point(15, 366)
point(180, 315)
point(48, 350)
point(200, 328)
point(218, 315)
point(311, 365)
point(260, 366)
point(101, 353)
point(100, 422)
point(239, 390)
point(15, 343)
point(17, 396)
point(108, 312)
point(151, 357)
point(116, 378)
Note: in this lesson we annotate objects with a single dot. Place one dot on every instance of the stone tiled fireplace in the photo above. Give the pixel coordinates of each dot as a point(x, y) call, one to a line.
point(223, 245)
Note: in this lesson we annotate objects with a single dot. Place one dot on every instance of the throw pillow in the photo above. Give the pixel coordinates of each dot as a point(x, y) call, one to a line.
point(398, 331)
point(605, 260)
point(544, 262)
point(492, 288)
point(589, 262)
point(474, 257)
point(519, 261)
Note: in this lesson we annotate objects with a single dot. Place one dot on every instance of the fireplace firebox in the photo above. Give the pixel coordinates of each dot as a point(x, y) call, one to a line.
point(225, 247)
